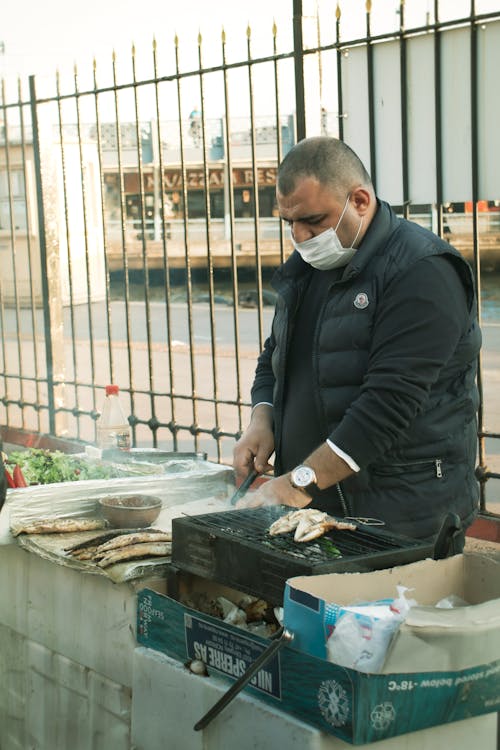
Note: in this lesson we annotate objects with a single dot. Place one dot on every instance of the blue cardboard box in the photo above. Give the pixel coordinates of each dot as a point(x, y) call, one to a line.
point(443, 665)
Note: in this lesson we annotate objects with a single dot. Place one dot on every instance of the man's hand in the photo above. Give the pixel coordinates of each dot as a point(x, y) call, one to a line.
point(329, 469)
point(255, 447)
point(277, 491)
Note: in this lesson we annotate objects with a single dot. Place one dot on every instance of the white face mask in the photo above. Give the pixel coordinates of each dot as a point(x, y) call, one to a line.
point(325, 251)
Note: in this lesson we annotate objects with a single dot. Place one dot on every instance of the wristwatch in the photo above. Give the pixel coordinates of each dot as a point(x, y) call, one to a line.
point(303, 478)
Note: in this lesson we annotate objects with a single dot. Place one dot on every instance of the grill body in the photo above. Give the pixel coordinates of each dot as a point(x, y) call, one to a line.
point(235, 548)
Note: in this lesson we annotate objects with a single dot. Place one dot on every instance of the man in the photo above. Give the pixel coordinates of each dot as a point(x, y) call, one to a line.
point(365, 390)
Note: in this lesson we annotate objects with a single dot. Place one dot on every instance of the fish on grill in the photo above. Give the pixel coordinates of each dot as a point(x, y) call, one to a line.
point(308, 524)
point(291, 520)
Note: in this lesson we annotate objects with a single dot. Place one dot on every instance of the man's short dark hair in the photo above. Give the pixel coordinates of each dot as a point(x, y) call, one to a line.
point(328, 160)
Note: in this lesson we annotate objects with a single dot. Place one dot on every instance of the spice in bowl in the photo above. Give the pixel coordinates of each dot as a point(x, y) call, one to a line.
point(130, 511)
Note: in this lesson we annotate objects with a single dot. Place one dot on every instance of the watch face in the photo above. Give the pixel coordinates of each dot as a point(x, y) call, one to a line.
point(303, 476)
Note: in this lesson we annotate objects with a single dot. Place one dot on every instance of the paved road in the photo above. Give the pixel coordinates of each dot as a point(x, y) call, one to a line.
point(252, 331)
point(80, 320)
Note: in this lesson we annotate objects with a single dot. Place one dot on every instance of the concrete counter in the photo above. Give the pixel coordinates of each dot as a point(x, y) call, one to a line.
point(169, 700)
point(66, 650)
point(72, 676)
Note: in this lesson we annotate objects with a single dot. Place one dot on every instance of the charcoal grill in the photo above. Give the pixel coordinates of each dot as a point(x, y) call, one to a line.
point(234, 548)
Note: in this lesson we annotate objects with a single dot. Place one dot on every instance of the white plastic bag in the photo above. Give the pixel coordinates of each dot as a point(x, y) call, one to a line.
point(362, 633)
point(360, 642)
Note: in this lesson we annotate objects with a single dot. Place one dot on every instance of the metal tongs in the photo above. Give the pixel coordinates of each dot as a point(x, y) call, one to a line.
point(244, 487)
point(280, 639)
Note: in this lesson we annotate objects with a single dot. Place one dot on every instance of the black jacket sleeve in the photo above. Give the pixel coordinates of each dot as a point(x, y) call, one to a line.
point(263, 384)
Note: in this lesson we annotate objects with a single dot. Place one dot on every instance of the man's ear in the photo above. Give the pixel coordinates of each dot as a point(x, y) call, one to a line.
point(363, 199)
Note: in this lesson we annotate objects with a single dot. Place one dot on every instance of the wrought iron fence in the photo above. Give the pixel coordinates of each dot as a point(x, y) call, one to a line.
point(138, 234)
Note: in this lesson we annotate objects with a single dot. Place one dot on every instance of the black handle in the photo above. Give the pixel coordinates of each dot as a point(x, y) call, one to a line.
point(450, 539)
point(244, 486)
point(285, 637)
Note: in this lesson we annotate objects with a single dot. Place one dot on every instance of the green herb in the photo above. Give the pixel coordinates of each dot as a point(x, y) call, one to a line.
point(328, 547)
point(46, 467)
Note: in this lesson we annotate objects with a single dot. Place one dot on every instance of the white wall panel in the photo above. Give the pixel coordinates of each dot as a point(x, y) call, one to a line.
point(355, 103)
point(456, 120)
point(489, 111)
point(388, 135)
point(456, 101)
point(421, 119)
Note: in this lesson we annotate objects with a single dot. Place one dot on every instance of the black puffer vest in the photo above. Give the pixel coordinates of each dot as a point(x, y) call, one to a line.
point(429, 470)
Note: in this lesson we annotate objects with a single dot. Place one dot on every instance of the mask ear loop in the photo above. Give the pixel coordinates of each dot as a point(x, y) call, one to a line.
point(351, 247)
point(343, 212)
point(357, 233)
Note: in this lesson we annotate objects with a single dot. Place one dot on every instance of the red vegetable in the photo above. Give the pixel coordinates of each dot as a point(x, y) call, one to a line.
point(9, 479)
point(19, 480)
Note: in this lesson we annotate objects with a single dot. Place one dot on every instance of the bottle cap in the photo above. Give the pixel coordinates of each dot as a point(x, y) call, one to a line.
point(112, 390)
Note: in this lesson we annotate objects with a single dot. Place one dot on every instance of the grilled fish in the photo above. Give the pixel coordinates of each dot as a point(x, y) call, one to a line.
point(58, 526)
point(288, 522)
point(125, 540)
point(308, 523)
point(306, 532)
point(134, 551)
point(94, 541)
point(84, 554)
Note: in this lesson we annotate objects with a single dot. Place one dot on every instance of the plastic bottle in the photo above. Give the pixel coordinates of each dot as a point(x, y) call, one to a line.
point(113, 429)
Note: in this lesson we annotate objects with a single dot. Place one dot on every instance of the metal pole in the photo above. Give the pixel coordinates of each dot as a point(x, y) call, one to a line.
point(298, 52)
point(43, 258)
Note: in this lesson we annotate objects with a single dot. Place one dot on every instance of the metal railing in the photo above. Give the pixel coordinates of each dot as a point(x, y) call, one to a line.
point(113, 273)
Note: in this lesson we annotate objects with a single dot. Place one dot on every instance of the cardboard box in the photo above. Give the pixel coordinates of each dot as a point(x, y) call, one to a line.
point(443, 665)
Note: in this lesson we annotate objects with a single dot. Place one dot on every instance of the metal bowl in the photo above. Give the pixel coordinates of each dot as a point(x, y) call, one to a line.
point(130, 511)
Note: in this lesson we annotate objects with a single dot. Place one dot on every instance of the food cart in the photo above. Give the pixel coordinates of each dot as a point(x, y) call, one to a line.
point(81, 671)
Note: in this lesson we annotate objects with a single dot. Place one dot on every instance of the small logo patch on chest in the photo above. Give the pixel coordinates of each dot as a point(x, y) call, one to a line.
point(361, 301)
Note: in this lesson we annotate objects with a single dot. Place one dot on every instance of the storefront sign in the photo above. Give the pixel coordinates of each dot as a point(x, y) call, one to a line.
point(244, 177)
point(195, 178)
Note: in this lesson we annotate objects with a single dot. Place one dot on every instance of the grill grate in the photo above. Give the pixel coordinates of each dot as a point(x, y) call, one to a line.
point(235, 548)
point(253, 528)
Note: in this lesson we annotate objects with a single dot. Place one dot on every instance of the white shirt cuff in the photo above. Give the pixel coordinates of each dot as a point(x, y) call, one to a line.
point(349, 461)
point(262, 403)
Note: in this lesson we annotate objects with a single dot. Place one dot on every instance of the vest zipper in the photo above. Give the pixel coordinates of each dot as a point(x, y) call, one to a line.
point(437, 463)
